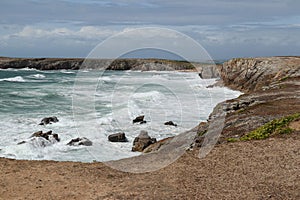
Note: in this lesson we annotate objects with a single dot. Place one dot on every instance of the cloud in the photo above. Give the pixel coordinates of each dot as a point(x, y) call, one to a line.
point(225, 27)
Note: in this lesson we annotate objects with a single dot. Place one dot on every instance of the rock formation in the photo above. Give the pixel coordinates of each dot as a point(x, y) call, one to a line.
point(170, 123)
point(46, 135)
point(139, 119)
point(117, 137)
point(48, 120)
point(207, 70)
point(142, 141)
point(80, 141)
point(272, 91)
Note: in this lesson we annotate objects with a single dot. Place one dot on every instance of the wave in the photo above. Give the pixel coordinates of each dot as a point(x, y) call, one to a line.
point(67, 72)
point(14, 79)
point(152, 96)
point(38, 76)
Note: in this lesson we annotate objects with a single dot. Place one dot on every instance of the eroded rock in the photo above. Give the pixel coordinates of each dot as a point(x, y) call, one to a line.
point(142, 141)
point(170, 123)
point(46, 135)
point(117, 137)
point(48, 120)
point(80, 141)
point(139, 119)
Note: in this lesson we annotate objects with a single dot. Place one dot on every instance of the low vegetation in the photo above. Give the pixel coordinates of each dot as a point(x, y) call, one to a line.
point(274, 127)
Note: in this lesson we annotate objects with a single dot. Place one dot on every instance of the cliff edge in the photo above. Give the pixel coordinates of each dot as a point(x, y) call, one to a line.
point(271, 98)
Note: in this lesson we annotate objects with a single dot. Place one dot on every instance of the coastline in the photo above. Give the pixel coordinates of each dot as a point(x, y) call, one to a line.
point(207, 70)
point(271, 87)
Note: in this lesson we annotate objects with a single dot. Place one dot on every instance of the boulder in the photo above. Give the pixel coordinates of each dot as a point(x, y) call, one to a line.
point(139, 119)
point(170, 123)
point(117, 137)
point(46, 135)
point(80, 141)
point(48, 120)
point(142, 141)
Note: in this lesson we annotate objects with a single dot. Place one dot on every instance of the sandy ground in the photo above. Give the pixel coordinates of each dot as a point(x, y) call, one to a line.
point(268, 169)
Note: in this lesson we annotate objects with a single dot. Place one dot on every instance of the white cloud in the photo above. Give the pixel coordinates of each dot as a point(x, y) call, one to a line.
point(85, 32)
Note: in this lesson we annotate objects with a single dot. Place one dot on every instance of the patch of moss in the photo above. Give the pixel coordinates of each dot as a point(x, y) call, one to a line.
point(277, 126)
point(232, 140)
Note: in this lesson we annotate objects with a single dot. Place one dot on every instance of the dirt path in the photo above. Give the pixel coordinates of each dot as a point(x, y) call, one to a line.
point(268, 169)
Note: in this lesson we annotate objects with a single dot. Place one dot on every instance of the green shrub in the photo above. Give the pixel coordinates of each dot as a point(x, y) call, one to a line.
point(232, 139)
point(277, 126)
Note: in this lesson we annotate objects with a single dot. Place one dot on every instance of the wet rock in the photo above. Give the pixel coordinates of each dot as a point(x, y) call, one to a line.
point(170, 123)
point(48, 120)
point(46, 135)
point(143, 122)
point(23, 142)
point(42, 139)
point(142, 141)
point(156, 146)
point(80, 141)
point(117, 137)
point(139, 119)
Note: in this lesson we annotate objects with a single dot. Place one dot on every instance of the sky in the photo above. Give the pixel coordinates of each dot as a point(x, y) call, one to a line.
point(225, 28)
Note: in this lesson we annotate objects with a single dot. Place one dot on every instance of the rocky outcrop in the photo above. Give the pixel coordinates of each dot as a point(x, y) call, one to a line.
point(252, 74)
point(80, 142)
point(46, 135)
point(41, 63)
point(139, 119)
point(48, 120)
point(142, 141)
point(117, 137)
point(170, 123)
point(204, 69)
point(272, 91)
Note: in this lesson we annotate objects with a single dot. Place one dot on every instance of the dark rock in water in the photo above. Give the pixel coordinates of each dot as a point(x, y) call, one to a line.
point(80, 141)
point(139, 119)
point(143, 122)
point(170, 123)
point(46, 135)
point(48, 120)
point(117, 137)
point(23, 142)
point(142, 141)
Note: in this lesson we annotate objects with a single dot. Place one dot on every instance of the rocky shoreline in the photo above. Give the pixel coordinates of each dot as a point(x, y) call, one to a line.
point(235, 169)
point(206, 70)
point(271, 89)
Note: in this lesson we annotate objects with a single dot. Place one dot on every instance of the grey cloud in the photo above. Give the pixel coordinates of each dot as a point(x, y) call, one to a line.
point(149, 12)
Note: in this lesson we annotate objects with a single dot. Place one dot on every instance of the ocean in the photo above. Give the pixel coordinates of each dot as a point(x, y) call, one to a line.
point(95, 104)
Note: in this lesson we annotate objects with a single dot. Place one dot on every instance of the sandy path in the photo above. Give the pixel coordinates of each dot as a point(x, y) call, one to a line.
point(268, 169)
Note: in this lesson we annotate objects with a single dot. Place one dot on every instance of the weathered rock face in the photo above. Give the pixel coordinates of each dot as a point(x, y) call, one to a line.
point(80, 141)
point(142, 141)
point(252, 74)
point(272, 87)
point(117, 137)
point(208, 70)
point(41, 63)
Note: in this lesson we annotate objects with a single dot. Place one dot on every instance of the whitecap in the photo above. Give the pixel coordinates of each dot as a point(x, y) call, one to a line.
point(105, 78)
point(153, 96)
point(14, 79)
point(38, 76)
point(67, 72)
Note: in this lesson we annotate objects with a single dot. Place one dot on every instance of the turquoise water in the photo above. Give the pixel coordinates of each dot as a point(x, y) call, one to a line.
point(94, 104)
